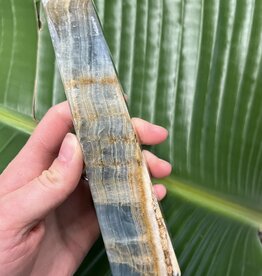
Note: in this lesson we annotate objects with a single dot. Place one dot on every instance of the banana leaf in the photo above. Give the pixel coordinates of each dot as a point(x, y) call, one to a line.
point(192, 66)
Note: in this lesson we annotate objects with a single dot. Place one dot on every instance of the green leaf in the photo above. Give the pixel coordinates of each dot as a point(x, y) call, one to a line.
point(193, 66)
point(18, 41)
point(18, 48)
point(48, 89)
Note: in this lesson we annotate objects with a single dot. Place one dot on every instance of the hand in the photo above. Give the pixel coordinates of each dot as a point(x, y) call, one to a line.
point(47, 220)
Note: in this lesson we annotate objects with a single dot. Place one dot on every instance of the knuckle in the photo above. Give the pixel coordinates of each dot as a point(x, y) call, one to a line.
point(59, 112)
point(50, 179)
point(53, 109)
point(56, 112)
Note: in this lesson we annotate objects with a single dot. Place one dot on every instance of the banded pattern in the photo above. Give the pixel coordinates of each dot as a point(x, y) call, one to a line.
point(133, 230)
point(152, 43)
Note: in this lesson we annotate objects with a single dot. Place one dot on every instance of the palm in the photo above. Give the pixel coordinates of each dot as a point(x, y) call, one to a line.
point(53, 223)
point(70, 232)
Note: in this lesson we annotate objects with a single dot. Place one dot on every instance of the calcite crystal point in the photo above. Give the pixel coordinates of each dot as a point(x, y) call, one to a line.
point(132, 226)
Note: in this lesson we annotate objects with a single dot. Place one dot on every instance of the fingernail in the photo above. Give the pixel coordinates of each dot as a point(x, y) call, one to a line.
point(67, 149)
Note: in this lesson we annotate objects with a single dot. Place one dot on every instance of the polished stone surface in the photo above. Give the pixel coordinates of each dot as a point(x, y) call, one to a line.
point(134, 232)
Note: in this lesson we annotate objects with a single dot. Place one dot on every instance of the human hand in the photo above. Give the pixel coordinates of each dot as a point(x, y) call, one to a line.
point(48, 222)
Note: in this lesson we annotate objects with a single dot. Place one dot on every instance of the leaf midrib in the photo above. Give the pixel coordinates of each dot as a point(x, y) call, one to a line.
point(214, 202)
point(17, 120)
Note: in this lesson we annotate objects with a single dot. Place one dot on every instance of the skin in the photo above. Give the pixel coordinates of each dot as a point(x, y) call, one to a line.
point(48, 222)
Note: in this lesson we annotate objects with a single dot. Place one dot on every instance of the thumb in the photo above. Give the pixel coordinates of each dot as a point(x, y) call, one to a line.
point(36, 199)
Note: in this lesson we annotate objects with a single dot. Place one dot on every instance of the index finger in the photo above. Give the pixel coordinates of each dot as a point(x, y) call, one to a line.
point(149, 134)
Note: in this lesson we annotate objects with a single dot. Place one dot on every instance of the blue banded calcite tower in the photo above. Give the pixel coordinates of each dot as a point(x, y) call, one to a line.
point(132, 226)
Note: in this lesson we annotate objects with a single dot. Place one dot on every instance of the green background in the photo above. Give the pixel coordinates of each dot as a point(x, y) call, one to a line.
point(192, 66)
